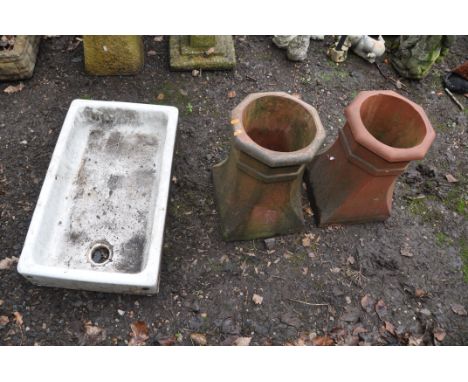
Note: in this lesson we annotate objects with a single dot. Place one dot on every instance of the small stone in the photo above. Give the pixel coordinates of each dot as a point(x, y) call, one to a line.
point(406, 250)
point(257, 299)
point(450, 178)
point(195, 73)
point(270, 243)
point(120, 312)
point(195, 307)
point(229, 326)
point(425, 312)
point(439, 334)
point(242, 341)
point(351, 315)
point(348, 299)
point(458, 309)
point(198, 338)
point(195, 323)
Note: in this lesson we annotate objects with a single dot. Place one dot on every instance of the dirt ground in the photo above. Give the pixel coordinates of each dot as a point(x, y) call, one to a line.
point(399, 282)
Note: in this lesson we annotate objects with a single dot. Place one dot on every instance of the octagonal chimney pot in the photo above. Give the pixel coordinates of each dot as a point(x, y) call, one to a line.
point(258, 187)
point(353, 180)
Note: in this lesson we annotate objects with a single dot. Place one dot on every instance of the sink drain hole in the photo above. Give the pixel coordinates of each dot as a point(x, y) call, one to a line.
point(100, 253)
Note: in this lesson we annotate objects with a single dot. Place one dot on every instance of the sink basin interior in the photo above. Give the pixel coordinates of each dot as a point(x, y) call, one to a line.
point(101, 205)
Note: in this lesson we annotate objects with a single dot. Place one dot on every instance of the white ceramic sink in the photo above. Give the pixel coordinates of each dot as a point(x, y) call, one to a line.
point(99, 220)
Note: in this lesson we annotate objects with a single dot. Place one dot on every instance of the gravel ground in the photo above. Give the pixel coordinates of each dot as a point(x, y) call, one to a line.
point(342, 285)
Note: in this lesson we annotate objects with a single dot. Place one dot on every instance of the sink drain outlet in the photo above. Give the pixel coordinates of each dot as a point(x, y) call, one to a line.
point(100, 253)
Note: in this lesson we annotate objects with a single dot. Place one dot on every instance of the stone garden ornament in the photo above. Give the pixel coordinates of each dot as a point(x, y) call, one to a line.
point(18, 57)
point(113, 55)
point(296, 45)
point(413, 56)
point(207, 52)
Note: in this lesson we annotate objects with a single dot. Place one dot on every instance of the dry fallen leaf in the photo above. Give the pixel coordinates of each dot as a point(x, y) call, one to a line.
point(160, 96)
point(323, 341)
point(439, 334)
point(18, 318)
point(8, 262)
point(151, 53)
point(243, 341)
point(158, 38)
point(406, 250)
point(415, 340)
point(4, 320)
point(351, 260)
point(450, 178)
point(167, 341)
point(420, 293)
point(232, 94)
point(1, 302)
point(358, 330)
point(139, 333)
point(14, 89)
point(381, 309)
point(367, 303)
point(92, 331)
point(198, 338)
point(257, 299)
point(459, 309)
point(335, 270)
point(210, 51)
point(92, 334)
point(296, 95)
point(389, 327)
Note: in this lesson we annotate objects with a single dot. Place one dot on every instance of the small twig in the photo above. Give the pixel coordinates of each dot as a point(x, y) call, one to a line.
point(307, 303)
point(450, 94)
point(388, 78)
point(278, 277)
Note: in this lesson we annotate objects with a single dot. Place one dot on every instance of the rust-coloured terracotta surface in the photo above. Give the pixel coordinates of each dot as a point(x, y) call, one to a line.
point(258, 187)
point(353, 180)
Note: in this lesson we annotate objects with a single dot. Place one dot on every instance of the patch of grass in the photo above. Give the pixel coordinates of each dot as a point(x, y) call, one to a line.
point(189, 107)
point(172, 96)
point(428, 214)
point(442, 127)
point(418, 207)
point(457, 200)
point(306, 80)
point(325, 77)
point(338, 70)
point(298, 259)
point(442, 239)
point(464, 257)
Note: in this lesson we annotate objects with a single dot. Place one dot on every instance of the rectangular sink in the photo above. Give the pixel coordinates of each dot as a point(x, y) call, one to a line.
point(99, 220)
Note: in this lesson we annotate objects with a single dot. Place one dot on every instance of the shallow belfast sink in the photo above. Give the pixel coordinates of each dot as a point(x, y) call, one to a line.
point(99, 220)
